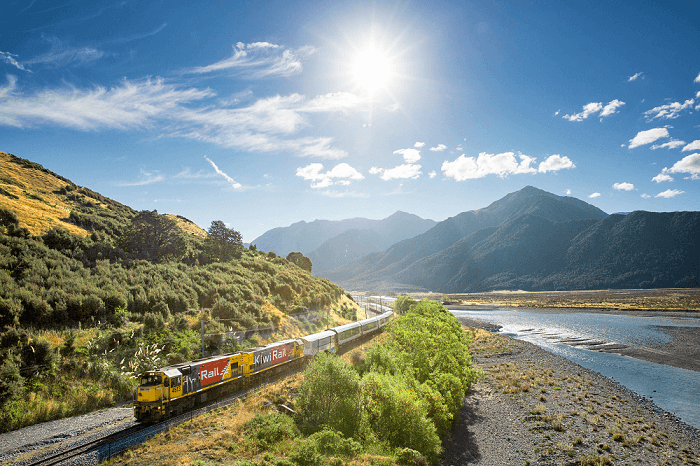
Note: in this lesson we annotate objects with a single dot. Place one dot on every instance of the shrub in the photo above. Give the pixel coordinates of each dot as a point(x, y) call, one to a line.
point(330, 395)
point(305, 453)
point(10, 380)
point(331, 442)
point(269, 429)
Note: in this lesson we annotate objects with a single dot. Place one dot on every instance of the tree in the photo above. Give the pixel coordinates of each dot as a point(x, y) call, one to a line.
point(153, 237)
point(223, 243)
point(330, 395)
point(300, 260)
point(403, 303)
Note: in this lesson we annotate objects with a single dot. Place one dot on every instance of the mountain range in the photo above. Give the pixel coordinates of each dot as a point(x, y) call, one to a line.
point(335, 243)
point(535, 240)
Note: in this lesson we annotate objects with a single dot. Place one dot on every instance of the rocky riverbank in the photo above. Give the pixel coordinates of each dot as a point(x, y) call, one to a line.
point(535, 408)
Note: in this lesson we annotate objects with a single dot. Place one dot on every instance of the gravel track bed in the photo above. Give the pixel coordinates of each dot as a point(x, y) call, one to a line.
point(568, 415)
point(63, 433)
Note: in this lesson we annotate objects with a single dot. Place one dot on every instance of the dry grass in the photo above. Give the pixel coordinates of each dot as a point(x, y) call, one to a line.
point(671, 299)
point(35, 215)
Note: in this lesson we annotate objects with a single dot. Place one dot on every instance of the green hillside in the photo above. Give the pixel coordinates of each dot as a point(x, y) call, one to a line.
point(92, 291)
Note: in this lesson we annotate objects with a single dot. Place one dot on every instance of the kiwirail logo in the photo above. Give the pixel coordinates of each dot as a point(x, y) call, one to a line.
point(214, 371)
point(273, 356)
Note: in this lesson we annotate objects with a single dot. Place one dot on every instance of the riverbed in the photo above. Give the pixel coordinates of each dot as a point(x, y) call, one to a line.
point(631, 349)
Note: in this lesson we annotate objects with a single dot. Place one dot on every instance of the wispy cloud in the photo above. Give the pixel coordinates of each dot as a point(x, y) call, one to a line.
point(648, 136)
point(635, 76)
point(418, 145)
point(266, 125)
point(507, 163)
point(149, 179)
point(231, 181)
point(645, 196)
point(669, 193)
point(63, 55)
point(438, 148)
point(697, 79)
point(623, 186)
point(124, 40)
point(672, 144)
point(432, 174)
point(259, 60)
point(595, 107)
point(9, 58)
point(594, 195)
point(342, 174)
point(668, 111)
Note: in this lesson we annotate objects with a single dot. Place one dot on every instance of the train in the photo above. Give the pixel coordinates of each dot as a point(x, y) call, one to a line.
point(174, 389)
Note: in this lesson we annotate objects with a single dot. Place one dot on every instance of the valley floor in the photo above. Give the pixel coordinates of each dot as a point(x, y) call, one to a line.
point(533, 407)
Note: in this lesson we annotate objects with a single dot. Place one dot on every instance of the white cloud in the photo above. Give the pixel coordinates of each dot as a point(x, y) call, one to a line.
point(8, 57)
point(594, 195)
point(266, 125)
point(668, 111)
point(689, 164)
point(648, 136)
point(464, 168)
point(63, 55)
point(611, 108)
point(409, 155)
point(695, 145)
point(623, 186)
point(226, 177)
point(645, 196)
point(568, 192)
point(259, 59)
point(669, 193)
point(557, 112)
point(588, 110)
point(149, 178)
point(635, 76)
point(663, 176)
point(418, 145)
point(5, 91)
point(555, 162)
point(432, 174)
point(438, 148)
point(672, 144)
point(404, 171)
point(341, 174)
point(697, 79)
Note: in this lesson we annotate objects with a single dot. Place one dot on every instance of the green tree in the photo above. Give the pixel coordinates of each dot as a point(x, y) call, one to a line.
point(402, 304)
point(330, 395)
point(223, 243)
point(300, 260)
point(153, 237)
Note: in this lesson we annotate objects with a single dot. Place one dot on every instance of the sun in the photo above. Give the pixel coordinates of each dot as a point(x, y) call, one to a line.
point(371, 70)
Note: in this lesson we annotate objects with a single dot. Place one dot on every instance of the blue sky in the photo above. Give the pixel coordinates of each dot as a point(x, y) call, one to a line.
point(262, 114)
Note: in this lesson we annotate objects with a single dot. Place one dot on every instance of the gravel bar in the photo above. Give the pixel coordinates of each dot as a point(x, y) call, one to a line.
point(533, 407)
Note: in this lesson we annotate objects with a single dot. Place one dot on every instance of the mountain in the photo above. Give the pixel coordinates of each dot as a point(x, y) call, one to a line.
point(306, 237)
point(535, 240)
point(345, 248)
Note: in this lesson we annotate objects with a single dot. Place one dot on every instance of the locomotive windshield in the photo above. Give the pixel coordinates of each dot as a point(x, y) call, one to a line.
point(150, 379)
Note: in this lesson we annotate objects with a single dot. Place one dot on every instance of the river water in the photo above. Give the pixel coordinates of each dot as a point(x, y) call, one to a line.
point(572, 334)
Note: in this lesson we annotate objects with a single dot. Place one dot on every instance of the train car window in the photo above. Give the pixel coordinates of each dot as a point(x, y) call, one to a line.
point(166, 382)
point(234, 366)
point(150, 380)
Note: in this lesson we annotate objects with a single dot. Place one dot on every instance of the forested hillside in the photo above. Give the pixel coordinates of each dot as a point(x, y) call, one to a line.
point(82, 275)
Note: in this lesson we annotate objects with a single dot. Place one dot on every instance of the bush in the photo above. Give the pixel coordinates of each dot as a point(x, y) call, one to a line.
point(331, 442)
point(11, 381)
point(269, 429)
point(330, 395)
point(305, 453)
